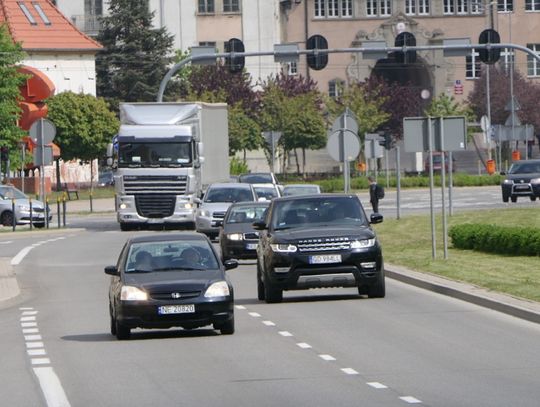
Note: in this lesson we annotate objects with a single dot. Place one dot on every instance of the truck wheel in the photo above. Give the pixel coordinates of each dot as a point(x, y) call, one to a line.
point(7, 218)
point(260, 285)
point(272, 294)
point(513, 198)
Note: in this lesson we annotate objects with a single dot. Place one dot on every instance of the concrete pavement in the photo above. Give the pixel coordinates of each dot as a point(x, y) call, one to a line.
point(528, 310)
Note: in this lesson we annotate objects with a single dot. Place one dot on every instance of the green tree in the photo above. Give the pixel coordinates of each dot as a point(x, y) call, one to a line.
point(244, 132)
point(293, 107)
point(84, 125)
point(10, 81)
point(136, 55)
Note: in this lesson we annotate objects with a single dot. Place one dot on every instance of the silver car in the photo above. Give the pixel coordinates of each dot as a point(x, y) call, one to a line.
point(216, 201)
point(10, 195)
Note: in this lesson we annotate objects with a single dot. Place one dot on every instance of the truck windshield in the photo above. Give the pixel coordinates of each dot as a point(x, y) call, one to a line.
point(147, 154)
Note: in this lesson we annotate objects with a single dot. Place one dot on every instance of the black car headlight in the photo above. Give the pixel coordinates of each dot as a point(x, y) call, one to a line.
point(130, 293)
point(218, 289)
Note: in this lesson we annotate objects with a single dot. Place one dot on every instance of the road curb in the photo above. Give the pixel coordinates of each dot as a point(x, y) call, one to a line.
point(524, 309)
point(9, 287)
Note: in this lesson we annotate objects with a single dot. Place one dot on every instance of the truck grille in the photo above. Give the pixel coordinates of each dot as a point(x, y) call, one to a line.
point(155, 206)
point(324, 244)
point(155, 184)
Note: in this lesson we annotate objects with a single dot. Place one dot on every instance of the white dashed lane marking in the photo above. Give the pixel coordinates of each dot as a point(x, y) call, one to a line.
point(328, 358)
point(285, 333)
point(377, 385)
point(254, 314)
point(410, 400)
point(349, 370)
point(269, 323)
point(304, 345)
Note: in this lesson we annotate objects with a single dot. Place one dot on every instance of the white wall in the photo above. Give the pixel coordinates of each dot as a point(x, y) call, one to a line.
point(179, 17)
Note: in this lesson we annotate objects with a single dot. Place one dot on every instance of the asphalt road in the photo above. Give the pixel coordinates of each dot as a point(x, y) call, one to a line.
point(317, 348)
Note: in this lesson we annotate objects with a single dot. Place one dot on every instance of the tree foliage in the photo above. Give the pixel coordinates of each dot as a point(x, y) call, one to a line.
point(244, 131)
point(84, 125)
point(136, 55)
point(10, 81)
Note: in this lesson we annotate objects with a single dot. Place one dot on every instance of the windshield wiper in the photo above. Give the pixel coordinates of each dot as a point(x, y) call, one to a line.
point(283, 228)
point(139, 271)
point(178, 268)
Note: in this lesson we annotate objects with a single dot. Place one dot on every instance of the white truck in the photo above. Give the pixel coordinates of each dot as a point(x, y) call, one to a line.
point(159, 165)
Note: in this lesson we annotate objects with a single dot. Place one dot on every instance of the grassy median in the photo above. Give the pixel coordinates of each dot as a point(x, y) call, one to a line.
point(407, 242)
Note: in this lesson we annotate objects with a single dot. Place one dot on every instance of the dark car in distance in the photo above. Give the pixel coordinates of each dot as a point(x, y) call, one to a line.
point(437, 162)
point(258, 178)
point(170, 280)
point(237, 238)
point(521, 180)
point(315, 241)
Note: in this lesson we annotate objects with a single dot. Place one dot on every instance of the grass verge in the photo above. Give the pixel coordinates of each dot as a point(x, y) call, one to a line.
point(407, 242)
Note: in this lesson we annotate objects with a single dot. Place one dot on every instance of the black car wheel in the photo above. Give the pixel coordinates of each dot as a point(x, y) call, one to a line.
point(513, 198)
point(39, 225)
point(533, 198)
point(122, 331)
point(113, 324)
point(124, 227)
point(377, 290)
point(505, 198)
point(7, 218)
point(227, 328)
point(260, 284)
point(272, 294)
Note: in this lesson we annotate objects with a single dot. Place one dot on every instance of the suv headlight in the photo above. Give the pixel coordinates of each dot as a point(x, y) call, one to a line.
point(205, 213)
point(535, 181)
point(283, 248)
point(508, 181)
point(130, 293)
point(362, 244)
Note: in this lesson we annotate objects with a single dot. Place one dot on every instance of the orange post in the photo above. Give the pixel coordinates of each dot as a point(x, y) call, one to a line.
point(490, 166)
point(516, 155)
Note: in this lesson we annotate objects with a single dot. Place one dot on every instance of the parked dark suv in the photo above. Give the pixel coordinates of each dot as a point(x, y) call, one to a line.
point(522, 179)
point(314, 241)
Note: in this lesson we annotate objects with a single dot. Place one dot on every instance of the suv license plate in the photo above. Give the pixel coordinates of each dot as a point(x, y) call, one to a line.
point(251, 246)
point(325, 258)
point(176, 309)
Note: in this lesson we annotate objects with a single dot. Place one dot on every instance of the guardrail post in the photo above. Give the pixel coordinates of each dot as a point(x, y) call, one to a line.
point(31, 213)
point(64, 211)
point(13, 220)
point(58, 211)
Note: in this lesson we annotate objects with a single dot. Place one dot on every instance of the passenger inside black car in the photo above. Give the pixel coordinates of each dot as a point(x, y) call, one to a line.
point(143, 261)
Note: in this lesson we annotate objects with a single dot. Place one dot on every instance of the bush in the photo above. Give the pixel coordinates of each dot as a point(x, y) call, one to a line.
point(237, 166)
point(513, 241)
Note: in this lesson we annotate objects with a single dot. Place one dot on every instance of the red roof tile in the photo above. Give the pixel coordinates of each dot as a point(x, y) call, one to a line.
point(59, 35)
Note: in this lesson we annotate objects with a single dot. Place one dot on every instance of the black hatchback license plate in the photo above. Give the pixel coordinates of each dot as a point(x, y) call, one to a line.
point(176, 309)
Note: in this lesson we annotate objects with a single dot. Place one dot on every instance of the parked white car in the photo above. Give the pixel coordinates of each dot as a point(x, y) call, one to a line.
point(266, 192)
point(11, 197)
point(301, 189)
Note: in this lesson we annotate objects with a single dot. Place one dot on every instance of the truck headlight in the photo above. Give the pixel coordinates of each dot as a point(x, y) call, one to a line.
point(185, 205)
point(283, 248)
point(130, 293)
point(362, 244)
point(235, 236)
point(218, 289)
point(123, 205)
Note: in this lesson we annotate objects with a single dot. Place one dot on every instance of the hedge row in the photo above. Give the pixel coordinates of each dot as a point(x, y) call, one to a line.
point(513, 241)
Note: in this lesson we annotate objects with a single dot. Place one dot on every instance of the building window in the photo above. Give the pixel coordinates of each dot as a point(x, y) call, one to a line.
point(417, 7)
point(292, 68)
point(378, 8)
point(448, 7)
point(532, 5)
point(93, 7)
point(472, 65)
point(231, 6)
point(335, 88)
point(206, 6)
point(507, 59)
point(333, 8)
point(27, 13)
point(207, 44)
point(505, 5)
point(462, 6)
point(533, 66)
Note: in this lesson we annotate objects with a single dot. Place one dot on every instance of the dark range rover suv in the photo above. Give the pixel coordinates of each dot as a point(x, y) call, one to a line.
point(522, 179)
point(315, 241)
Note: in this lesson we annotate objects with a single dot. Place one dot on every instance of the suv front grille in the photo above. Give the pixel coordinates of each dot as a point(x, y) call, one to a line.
point(218, 215)
point(324, 244)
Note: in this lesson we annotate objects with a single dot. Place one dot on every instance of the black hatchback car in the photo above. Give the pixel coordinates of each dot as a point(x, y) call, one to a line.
point(522, 180)
point(237, 238)
point(314, 241)
point(170, 280)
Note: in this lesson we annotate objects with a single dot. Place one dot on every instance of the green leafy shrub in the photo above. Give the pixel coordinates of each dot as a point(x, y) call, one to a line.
point(237, 166)
point(513, 241)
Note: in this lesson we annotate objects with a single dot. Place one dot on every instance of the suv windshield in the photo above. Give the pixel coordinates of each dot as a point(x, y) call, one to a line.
point(524, 168)
point(228, 194)
point(256, 178)
point(317, 211)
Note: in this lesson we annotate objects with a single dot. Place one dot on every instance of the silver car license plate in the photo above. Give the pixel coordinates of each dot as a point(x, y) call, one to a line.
point(325, 259)
point(176, 309)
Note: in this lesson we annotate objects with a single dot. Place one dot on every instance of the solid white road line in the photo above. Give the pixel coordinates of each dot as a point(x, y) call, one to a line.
point(327, 357)
point(19, 256)
point(51, 387)
point(377, 385)
point(410, 400)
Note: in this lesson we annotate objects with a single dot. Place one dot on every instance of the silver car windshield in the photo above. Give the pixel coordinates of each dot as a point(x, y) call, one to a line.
point(9, 192)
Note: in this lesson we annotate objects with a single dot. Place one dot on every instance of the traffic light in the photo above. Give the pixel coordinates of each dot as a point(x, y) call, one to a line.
point(386, 141)
point(489, 36)
point(235, 64)
point(405, 39)
point(317, 61)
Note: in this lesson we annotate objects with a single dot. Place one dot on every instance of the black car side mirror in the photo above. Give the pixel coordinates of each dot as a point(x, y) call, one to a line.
point(230, 264)
point(259, 225)
point(376, 218)
point(111, 270)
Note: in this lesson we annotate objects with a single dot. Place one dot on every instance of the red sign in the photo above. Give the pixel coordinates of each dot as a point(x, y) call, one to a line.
point(458, 88)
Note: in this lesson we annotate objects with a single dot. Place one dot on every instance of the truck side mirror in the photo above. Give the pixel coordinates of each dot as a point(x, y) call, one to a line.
point(200, 149)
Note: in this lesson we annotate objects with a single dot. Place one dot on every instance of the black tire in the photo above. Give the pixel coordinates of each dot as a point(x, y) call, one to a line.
point(113, 324)
point(125, 227)
point(272, 294)
point(260, 284)
point(513, 198)
point(39, 225)
point(122, 331)
point(505, 198)
point(377, 290)
point(227, 328)
point(533, 198)
point(7, 218)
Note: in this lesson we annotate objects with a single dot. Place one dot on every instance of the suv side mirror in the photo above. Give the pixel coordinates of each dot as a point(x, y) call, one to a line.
point(376, 218)
point(259, 225)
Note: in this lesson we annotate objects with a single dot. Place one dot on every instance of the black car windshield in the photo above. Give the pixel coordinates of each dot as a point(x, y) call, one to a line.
point(9, 192)
point(311, 211)
point(170, 255)
point(245, 214)
point(256, 178)
point(524, 168)
point(148, 154)
point(228, 194)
